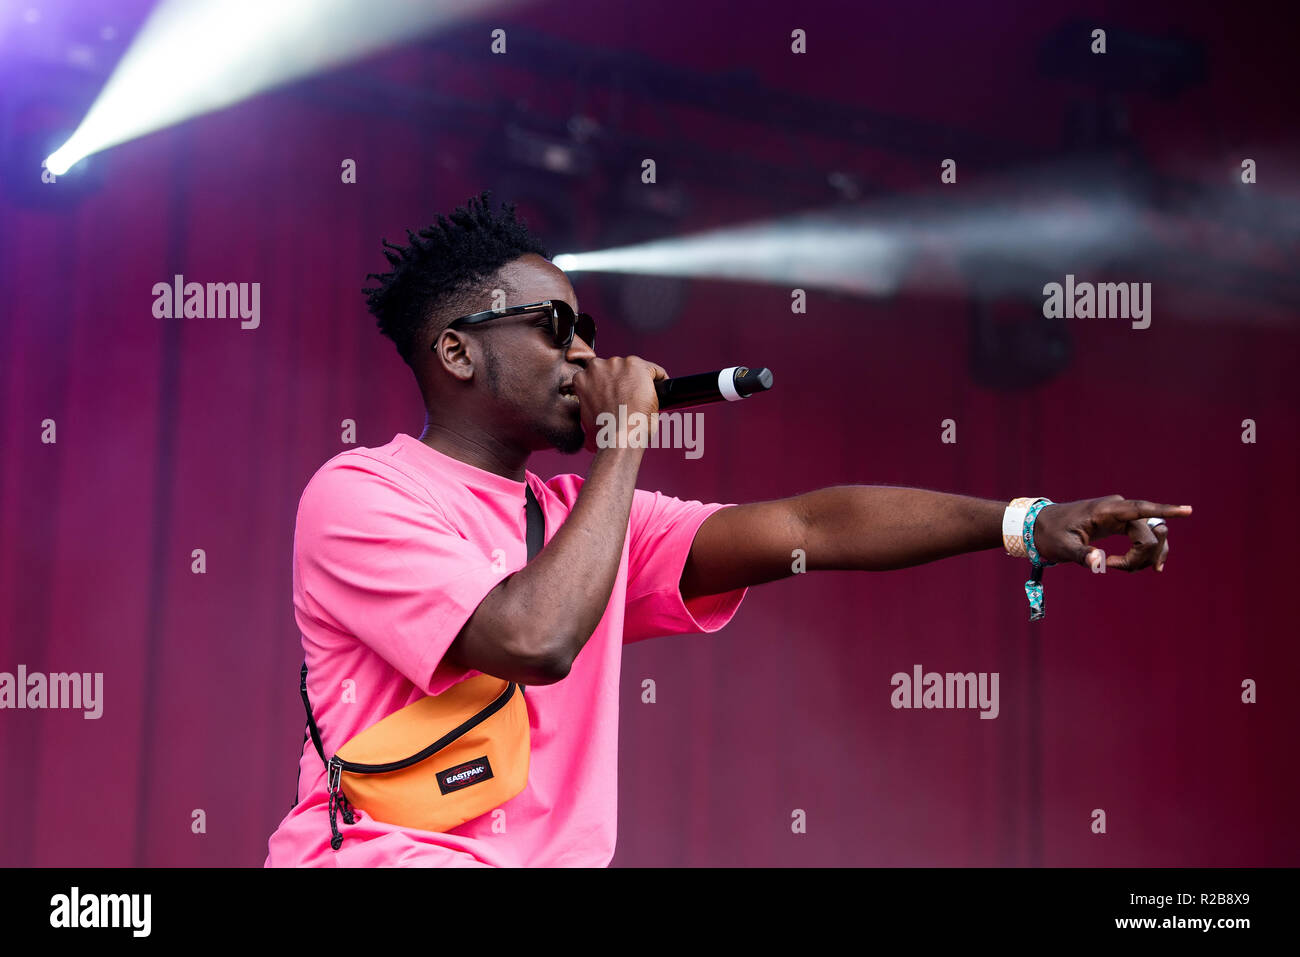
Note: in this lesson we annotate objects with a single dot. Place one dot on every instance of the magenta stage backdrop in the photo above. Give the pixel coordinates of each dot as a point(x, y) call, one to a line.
point(176, 435)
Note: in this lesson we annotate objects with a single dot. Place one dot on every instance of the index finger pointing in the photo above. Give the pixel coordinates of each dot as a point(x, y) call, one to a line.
point(1132, 509)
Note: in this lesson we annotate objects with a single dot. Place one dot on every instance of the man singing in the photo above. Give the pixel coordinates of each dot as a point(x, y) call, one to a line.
point(411, 571)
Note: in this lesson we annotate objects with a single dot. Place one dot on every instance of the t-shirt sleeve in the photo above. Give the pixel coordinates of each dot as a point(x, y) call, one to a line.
point(379, 561)
point(661, 530)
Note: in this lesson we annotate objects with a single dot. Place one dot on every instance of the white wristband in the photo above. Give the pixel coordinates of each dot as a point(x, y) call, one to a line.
point(1013, 525)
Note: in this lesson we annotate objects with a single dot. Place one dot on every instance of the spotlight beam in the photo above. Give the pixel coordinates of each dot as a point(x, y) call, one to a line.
point(195, 57)
point(872, 252)
point(1008, 239)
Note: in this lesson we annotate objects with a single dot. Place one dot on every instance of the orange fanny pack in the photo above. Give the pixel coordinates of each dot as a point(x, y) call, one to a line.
point(435, 764)
point(441, 760)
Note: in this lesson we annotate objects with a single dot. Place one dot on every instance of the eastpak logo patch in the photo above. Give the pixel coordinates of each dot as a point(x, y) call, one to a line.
point(463, 775)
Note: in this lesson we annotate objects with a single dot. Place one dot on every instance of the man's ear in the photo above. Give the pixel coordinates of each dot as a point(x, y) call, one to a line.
point(454, 354)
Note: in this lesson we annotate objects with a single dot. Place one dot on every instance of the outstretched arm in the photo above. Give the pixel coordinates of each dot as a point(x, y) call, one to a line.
point(881, 527)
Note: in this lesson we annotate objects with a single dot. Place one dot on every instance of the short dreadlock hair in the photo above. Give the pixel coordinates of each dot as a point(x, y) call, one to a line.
point(440, 267)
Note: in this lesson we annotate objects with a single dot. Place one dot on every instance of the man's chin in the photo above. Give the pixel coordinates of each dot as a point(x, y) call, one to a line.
point(566, 441)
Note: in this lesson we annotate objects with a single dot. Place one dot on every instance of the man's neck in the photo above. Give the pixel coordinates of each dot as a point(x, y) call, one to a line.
point(477, 449)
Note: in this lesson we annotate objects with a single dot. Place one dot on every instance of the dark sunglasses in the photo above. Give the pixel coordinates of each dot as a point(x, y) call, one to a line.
point(563, 321)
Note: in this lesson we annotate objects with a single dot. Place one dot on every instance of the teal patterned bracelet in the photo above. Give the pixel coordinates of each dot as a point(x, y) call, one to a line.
point(1034, 587)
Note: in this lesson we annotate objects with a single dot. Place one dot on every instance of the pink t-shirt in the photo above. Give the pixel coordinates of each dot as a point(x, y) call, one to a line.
point(394, 549)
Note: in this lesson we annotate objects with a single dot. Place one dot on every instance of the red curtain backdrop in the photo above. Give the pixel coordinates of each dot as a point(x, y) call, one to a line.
point(175, 435)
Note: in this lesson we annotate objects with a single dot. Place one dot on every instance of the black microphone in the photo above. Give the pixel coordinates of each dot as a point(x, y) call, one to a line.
point(726, 385)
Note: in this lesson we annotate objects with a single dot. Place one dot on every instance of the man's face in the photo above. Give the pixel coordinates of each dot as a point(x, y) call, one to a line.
point(523, 368)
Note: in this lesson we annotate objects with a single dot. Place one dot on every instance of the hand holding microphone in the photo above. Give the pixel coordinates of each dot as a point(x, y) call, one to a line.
point(605, 384)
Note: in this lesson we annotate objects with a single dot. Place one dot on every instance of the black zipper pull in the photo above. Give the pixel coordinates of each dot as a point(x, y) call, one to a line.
point(337, 800)
point(336, 839)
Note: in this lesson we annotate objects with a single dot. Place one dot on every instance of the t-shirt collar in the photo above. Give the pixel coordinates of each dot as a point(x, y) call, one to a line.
point(469, 474)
